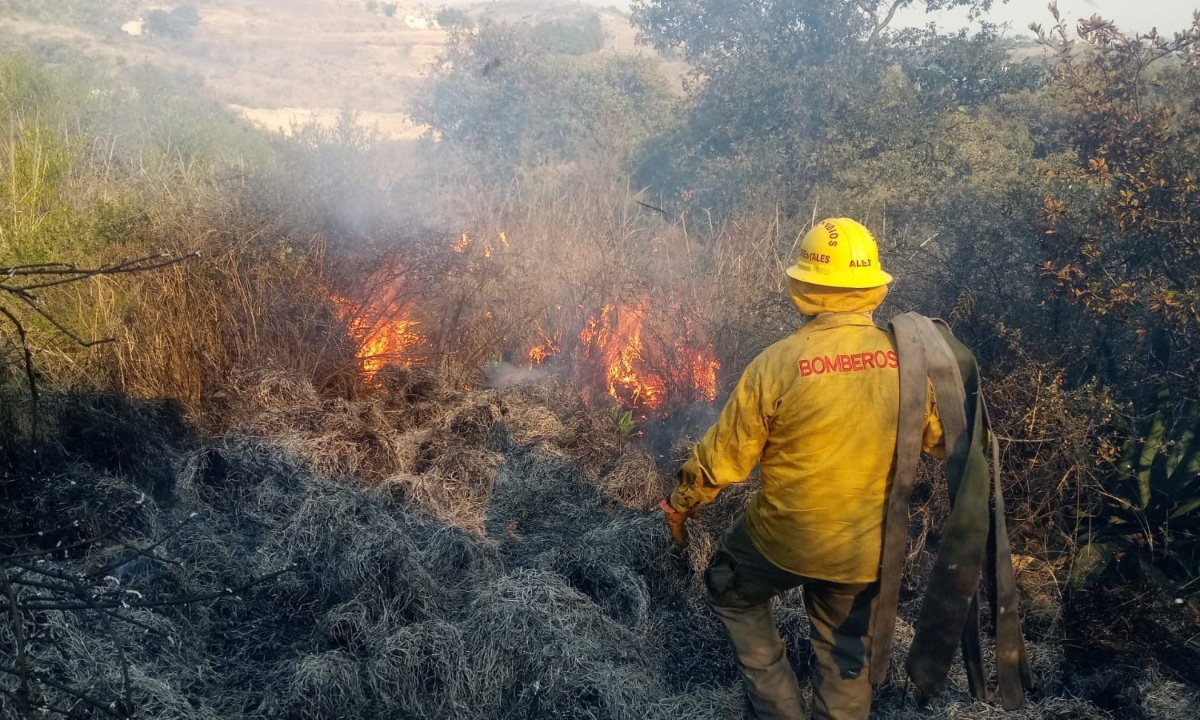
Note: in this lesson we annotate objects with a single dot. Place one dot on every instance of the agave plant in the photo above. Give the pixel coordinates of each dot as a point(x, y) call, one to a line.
point(1156, 502)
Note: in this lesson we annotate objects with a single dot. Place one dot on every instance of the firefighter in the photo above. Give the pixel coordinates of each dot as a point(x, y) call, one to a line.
point(818, 412)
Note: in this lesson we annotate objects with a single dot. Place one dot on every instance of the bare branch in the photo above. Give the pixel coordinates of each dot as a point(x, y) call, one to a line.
point(53, 604)
point(126, 687)
point(32, 303)
point(18, 630)
point(143, 552)
point(131, 265)
point(43, 708)
point(122, 268)
point(51, 551)
point(41, 533)
point(34, 604)
point(30, 376)
point(49, 682)
point(30, 269)
point(881, 25)
point(56, 275)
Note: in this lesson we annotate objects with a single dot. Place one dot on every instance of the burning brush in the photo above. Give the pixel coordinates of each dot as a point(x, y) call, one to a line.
point(645, 361)
point(381, 324)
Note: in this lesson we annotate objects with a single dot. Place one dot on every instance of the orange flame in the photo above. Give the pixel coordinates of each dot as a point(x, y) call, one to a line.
point(380, 327)
point(700, 369)
point(642, 373)
point(546, 349)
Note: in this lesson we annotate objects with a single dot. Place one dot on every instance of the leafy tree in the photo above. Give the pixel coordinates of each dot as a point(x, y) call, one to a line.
point(1123, 206)
point(779, 82)
point(449, 17)
point(1121, 209)
point(511, 103)
point(709, 30)
point(578, 36)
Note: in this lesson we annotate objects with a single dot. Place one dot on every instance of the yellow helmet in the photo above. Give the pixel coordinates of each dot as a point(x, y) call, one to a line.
point(839, 253)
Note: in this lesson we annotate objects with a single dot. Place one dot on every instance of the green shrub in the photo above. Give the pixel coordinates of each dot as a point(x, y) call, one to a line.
point(178, 24)
point(577, 36)
point(449, 17)
point(517, 104)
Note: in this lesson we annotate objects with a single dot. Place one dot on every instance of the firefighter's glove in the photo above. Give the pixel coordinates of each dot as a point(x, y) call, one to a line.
point(677, 522)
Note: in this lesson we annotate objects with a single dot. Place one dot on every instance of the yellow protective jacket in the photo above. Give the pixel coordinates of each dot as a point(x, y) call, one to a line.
point(819, 411)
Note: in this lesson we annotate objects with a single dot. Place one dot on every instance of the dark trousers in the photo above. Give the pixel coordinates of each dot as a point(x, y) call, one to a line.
point(741, 583)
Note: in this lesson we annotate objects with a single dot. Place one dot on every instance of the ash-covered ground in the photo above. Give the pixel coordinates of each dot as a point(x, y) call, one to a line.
point(423, 553)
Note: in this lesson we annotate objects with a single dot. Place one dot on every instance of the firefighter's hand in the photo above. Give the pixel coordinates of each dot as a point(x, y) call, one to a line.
point(677, 522)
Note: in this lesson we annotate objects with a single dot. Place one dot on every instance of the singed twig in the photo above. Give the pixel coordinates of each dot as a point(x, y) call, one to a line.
point(49, 682)
point(126, 687)
point(32, 603)
point(170, 602)
point(28, 353)
point(22, 657)
point(32, 303)
point(143, 552)
point(51, 551)
point(71, 275)
point(40, 533)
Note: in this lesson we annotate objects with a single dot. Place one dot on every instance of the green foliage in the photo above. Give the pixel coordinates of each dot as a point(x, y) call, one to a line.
point(1122, 202)
point(38, 161)
point(38, 222)
point(715, 31)
point(449, 17)
point(624, 420)
point(1116, 224)
point(575, 36)
point(512, 104)
point(964, 69)
point(389, 9)
point(1156, 499)
point(98, 165)
point(178, 23)
point(1048, 206)
point(790, 93)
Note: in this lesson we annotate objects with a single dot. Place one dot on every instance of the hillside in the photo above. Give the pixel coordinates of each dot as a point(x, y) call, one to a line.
point(278, 62)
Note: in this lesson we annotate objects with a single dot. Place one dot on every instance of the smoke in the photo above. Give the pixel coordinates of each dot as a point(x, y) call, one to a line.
point(670, 438)
point(505, 376)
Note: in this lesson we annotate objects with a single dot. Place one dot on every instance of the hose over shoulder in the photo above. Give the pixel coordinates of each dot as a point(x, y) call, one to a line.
point(975, 538)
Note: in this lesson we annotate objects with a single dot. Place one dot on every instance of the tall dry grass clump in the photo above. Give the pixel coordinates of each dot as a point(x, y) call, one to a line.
point(184, 332)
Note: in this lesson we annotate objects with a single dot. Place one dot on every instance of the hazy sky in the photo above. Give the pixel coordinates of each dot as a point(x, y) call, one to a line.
point(1167, 15)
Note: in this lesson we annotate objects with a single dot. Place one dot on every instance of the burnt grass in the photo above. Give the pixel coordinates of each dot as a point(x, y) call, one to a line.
point(1119, 624)
point(565, 599)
